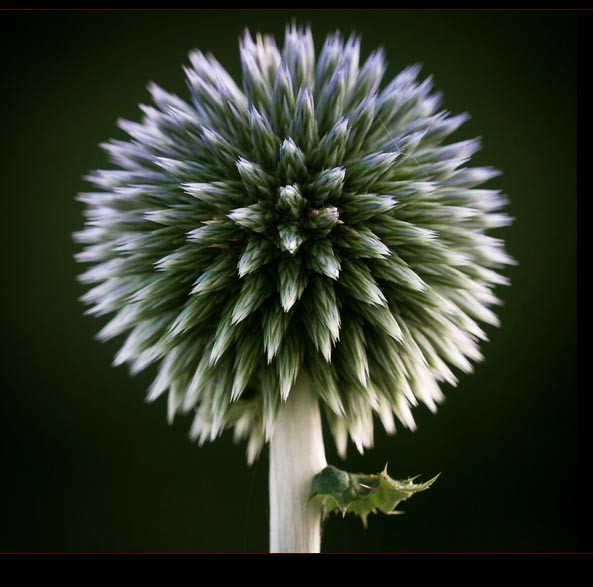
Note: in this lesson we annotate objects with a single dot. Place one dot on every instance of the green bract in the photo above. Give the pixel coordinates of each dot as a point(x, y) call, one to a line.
point(311, 219)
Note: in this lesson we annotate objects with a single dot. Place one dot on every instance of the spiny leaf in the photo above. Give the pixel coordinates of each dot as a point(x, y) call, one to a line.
point(362, 494)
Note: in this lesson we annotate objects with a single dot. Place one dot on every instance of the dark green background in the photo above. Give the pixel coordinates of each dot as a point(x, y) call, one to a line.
point(86, 464)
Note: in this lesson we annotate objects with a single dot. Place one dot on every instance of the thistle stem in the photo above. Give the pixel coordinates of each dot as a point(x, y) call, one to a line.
point(297, 454)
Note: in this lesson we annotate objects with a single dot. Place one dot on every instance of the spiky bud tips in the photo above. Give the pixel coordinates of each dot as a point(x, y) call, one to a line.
point(308, 220)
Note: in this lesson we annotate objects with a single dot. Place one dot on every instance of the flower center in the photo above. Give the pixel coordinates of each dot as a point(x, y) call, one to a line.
point(299, 220)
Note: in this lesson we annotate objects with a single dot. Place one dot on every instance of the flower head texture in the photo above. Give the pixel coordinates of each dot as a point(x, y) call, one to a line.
point(310, 218)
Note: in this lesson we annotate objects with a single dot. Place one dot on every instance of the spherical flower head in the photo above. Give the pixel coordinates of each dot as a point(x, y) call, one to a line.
point(311, 221)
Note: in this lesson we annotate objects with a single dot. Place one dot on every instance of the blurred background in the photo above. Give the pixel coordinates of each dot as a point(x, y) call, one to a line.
point(87, 465)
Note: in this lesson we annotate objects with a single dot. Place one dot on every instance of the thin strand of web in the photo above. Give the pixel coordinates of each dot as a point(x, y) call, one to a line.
point(399, 148)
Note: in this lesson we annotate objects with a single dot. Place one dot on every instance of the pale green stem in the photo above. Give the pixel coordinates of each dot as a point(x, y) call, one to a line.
point(297, 454)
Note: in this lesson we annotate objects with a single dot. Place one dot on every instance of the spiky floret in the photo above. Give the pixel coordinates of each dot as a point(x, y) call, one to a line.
point(308, 220)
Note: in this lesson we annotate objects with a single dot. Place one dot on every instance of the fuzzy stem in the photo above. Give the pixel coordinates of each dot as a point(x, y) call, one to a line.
point(297, 454)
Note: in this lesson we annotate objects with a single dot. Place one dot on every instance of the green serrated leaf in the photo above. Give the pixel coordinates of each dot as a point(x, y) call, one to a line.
point(362, 494)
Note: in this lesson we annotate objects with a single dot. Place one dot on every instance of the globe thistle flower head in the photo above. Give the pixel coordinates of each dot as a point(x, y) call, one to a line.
point(312, 220)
